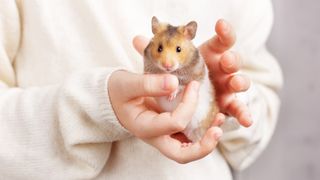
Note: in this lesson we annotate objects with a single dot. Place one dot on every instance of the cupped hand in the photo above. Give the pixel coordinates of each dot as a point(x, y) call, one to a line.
point(223, 66)
point(131, 98)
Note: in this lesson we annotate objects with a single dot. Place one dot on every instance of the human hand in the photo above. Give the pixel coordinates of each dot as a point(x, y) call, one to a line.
point(223, 66)
point(131, 98)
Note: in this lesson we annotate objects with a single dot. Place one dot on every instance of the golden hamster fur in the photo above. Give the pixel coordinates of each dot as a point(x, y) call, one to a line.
point(172, 51)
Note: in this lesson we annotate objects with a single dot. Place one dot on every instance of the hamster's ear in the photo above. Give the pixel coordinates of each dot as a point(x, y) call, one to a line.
point(155, 25)
point(190, 30)
point(158, 26)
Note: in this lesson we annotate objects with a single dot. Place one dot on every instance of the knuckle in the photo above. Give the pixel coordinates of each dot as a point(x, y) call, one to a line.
point(146, 84)
point(140, 135)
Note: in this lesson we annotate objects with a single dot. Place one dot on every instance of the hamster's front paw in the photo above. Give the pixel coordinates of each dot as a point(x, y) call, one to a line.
point(173, 95)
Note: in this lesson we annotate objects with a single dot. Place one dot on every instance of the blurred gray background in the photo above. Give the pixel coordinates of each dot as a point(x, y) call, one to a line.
point(294, 151)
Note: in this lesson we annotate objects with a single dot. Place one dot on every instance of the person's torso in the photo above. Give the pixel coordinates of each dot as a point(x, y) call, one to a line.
point(61, 37)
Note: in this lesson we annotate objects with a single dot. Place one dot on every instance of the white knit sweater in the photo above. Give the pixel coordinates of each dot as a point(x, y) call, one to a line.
point(56, 121)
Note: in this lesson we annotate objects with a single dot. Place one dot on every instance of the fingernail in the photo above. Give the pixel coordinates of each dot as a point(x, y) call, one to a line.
point(225, 26)
point(248, 119)
point(169, 82)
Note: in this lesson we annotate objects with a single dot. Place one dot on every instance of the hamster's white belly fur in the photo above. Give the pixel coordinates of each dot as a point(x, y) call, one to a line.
point(196, 128)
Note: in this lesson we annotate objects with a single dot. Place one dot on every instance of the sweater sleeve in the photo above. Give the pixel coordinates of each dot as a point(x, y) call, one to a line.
point(240, 145)
point(65, 128)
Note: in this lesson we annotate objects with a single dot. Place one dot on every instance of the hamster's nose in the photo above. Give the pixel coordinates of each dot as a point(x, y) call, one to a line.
point(167, 65)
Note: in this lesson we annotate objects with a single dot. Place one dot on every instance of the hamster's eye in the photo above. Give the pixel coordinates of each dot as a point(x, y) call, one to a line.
point(178, 49)
point(160, 48)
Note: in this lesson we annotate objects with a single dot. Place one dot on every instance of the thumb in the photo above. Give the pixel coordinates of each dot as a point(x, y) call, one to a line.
point(130, 85)
point(140, 43)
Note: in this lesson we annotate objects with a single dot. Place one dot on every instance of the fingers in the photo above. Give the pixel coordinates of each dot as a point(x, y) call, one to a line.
point(187, 106)
point(130, 85)
point(140, 43)
point(230, 62)
point(241, 112)
point(226, 34)
point(224, 39)
point(151, 124)
point(182, 153)
point(218, 119)
point(238, 83)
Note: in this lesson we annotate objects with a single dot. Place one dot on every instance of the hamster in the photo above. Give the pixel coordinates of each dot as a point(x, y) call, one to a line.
point(171, 51)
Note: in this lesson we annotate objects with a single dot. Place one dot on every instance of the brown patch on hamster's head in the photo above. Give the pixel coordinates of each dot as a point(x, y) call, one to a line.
point(171, 47)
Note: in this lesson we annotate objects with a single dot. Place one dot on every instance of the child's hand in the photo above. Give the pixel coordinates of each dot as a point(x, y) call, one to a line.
point(130, 97)
point(138, 114)
point(223, 64)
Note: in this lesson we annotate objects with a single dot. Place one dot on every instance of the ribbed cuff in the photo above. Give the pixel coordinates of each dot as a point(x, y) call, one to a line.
point(115, 130)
